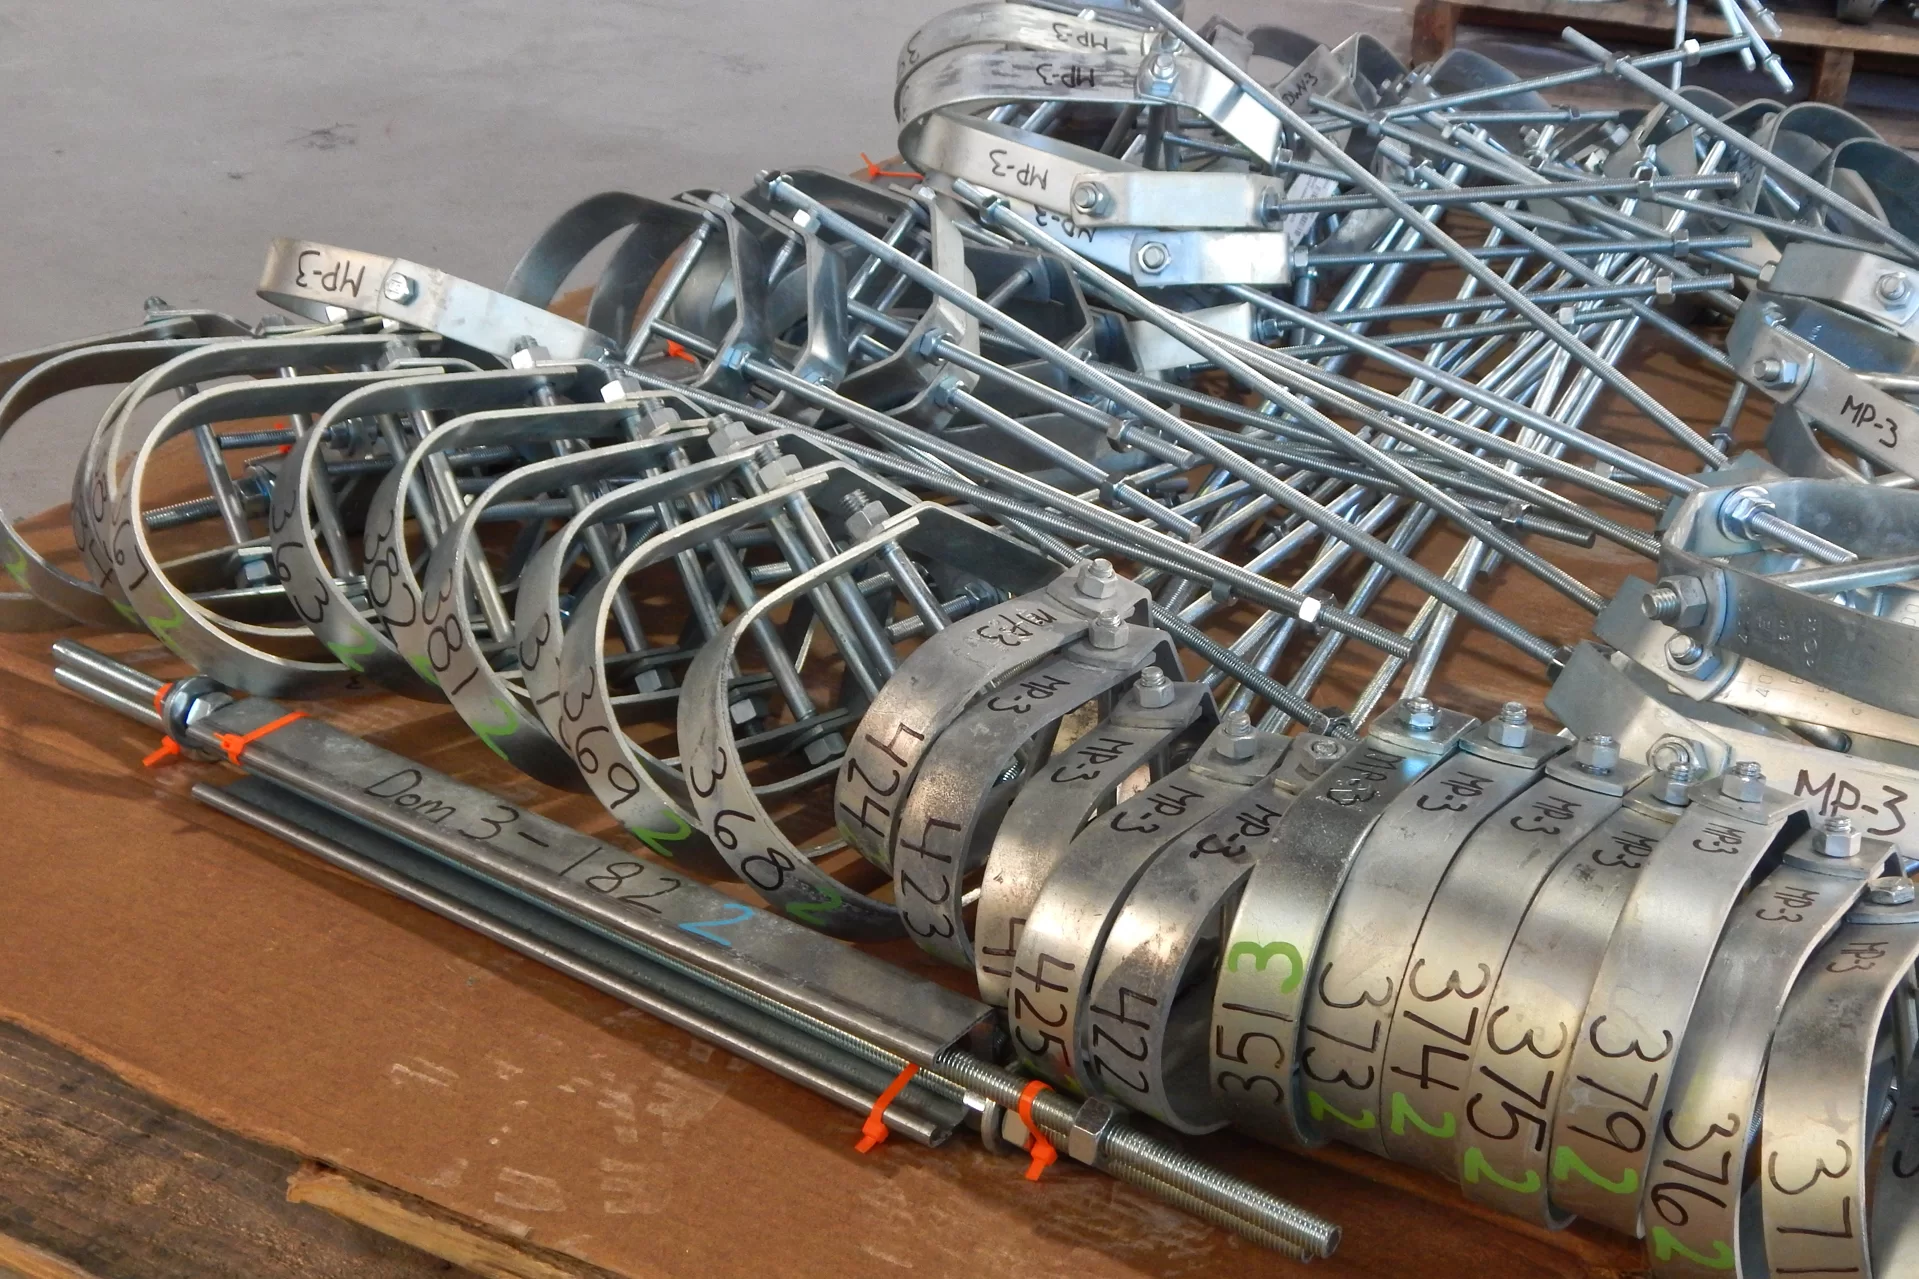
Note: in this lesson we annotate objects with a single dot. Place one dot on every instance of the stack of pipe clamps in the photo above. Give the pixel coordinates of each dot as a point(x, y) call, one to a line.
point(967, 553)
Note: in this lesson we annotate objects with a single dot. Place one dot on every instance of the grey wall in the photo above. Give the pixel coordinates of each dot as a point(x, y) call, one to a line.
point(155, 148)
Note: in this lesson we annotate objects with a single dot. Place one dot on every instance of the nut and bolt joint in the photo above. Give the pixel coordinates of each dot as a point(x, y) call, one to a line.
point(1153, 257)
point(1838, 837)
point(1513, 727)
point(863, 515)
point(1109, 631)
point(1774, 372)
point(1237, 740)
point(1683, 652)
point(1091, 200)
point(400, 288)
point(1097, 580)
point(1419, 714)
point(1890, 890)
point(1677, 601)
point(1671, 785)
point(1323, 749)
point(1597, 753)
point(1744, 782)
point(1893, 287)
point(1737, 512)
point(1154, 690)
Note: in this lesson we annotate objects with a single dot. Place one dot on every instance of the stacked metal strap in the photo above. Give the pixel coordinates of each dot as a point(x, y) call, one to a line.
point(967, 553)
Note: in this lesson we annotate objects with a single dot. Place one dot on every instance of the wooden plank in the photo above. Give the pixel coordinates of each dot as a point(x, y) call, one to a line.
point(98, 1180)
point(1832, 75)
point(429, 1229)
point(1435, 23)
point(1805, 31)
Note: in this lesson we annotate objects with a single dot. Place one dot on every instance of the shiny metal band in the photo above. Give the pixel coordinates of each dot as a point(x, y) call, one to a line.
point(1260, 1008)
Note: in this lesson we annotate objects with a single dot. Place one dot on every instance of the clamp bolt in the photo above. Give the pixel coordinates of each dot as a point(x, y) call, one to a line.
point(399, 288)
point(1154, 690)
point(1236, 739)
point(1091, 200)
point(1839, 838)
point(1419, 714)
point(1890, 890)
point(1097, 580)
point(1597, 753)
point(1684, 652)
point(1670, 788)
point(1744, 781)
point(1109, 631)
point(1153, 257)
point(1513, 727)
point(1677, 601)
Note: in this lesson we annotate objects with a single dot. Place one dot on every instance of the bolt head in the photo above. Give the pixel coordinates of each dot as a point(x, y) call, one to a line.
point(1097, 580)
point(1890, 890)
point(1893, 287)
point(1272, 207)
point(1109, 631)
point(1154, 690)
point(1153, 257)
point(1744, 782)
point(400, 288)
point(1090, 199)
point(1684, 652)
point(1236, 738)
point(1775, 372)
point(1597, 753)
point(1513, 728)
point(1839, 838)
point(1419, 714)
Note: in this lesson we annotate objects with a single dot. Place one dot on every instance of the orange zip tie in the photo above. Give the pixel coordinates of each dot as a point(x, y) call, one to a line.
point(874, 1130)
point(234, 743)
point(1043, 1152)
point(874, 171)
point(168, 749)
point(674, 351)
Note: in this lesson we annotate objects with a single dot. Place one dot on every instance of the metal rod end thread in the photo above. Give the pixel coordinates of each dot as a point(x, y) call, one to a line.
point(1661, 604)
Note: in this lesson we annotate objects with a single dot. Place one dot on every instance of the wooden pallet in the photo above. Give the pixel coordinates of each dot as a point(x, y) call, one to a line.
point(1833, 47)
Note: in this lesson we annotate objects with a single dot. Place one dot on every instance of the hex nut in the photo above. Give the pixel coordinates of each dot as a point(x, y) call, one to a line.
point(1679, 601)
point(1670, 787)
point(1153, 689)
point(1097, 580)
point(1839, 837)
point(1109, 631)
point(1744, 782)
point(1419, 714)
point(1096, 1117)
point(1153, 257)
point(1235, 738)
point(1890, 890)
point(1597, 753)
point(400, 288)
point(1513, 728)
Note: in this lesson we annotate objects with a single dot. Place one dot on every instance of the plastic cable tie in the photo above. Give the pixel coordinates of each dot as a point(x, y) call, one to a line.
point(874, 1130)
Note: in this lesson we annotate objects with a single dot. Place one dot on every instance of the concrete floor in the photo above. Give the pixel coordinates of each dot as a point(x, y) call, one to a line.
point(156, 148)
